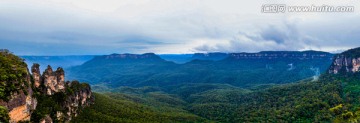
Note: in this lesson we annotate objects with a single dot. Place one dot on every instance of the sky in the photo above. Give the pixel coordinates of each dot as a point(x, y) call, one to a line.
point(83, 27)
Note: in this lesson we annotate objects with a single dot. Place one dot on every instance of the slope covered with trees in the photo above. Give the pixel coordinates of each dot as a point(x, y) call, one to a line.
point(330, 98)
point(121, 108)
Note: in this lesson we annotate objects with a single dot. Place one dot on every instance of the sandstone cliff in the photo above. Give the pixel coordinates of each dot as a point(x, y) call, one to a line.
point(300, 55)
point(346, 62)
point(16, 94)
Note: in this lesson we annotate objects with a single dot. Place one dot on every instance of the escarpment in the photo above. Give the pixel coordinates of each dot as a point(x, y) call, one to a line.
point(300, 55)
point(37, 97)
point(346, 62)
point(16, 94)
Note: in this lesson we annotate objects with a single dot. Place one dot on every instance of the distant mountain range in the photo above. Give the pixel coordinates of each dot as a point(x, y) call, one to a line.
point(75, 60)
point(57, 61)
point(237, 69)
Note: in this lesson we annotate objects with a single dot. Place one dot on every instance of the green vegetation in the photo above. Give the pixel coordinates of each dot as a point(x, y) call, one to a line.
point(119, 109)
point(354, 53)
point(13, 74)
point(13, 79)
point(47, 105)
point(300, 102)
point(329, 99)
point(4, 117)
point(50, 104)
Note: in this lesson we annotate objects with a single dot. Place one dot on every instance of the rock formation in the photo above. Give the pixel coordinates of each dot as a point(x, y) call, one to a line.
point(80, 98)
point(53, 81)
point(36, 75)
point(346, 62)
point(76, 95)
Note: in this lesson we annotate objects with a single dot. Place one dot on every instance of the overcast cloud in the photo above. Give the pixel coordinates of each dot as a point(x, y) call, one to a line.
point(68, 27)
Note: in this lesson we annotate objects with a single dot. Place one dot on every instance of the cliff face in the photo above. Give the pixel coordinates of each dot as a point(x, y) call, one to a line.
point(265, 55)
point(16, 94)
point(80, 98)
point(38, 98)
point(20, 104)
point(282, 54)
point(347, 62)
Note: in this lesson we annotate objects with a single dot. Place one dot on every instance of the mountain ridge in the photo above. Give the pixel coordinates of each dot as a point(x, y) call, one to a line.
point(236, 69)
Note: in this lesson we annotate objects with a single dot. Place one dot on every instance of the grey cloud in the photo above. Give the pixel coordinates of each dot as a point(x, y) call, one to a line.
point(55, 27)
point(284, 37)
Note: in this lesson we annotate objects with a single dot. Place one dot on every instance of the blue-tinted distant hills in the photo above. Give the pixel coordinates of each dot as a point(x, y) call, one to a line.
point(177, 58)
point(237, 69)
point(57, 61)
point(184, 58)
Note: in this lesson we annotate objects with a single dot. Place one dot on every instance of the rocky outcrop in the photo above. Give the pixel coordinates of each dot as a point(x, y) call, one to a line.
point(53, 81)
point(80, 98)
point(346, 62)
point(36, 75)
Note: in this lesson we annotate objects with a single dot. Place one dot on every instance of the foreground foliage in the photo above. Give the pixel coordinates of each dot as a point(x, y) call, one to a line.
point(329, 99)
point(121, 110)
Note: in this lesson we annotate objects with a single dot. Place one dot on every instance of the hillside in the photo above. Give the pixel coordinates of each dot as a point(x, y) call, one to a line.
point(304, 101)
point(119, 108)
point(120, 69)
point(331, 98)
point(237, 69)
